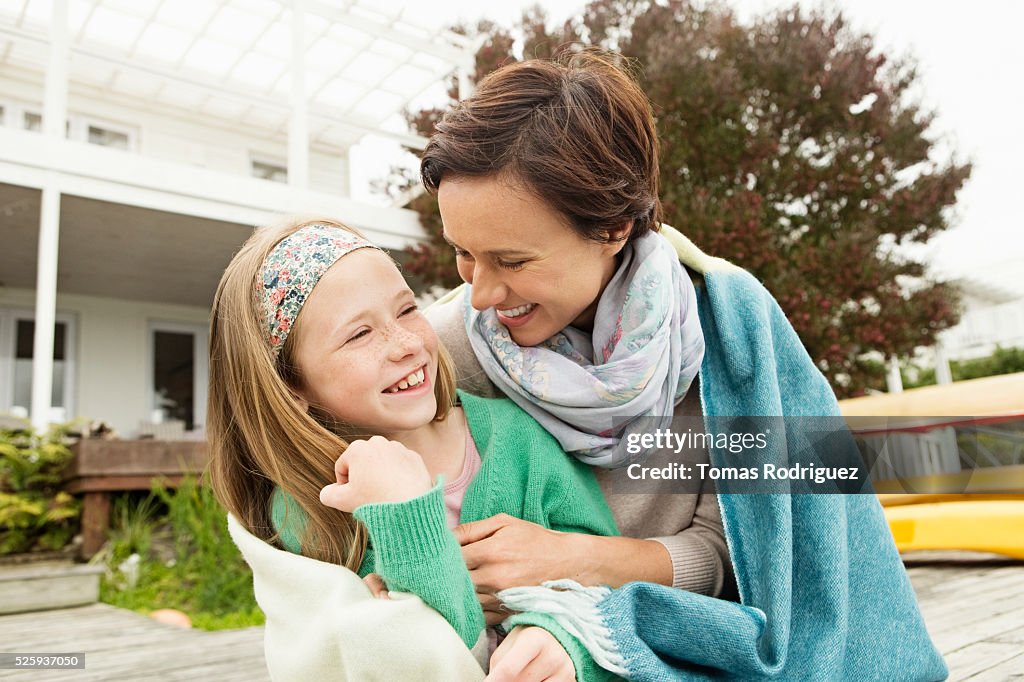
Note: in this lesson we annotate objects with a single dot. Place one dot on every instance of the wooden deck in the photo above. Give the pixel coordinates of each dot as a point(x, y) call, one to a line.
point(973, 604)
point(124, 645)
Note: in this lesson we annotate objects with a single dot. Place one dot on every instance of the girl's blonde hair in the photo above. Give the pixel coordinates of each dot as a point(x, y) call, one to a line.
point(259, 437)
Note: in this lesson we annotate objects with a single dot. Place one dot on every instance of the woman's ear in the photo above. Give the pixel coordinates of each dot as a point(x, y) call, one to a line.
point(617, 236)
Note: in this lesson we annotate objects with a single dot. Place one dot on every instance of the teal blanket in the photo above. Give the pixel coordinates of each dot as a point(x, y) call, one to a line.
point(823, 593)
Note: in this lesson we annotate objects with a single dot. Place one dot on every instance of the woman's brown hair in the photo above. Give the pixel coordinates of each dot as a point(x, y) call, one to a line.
point(258, 435)
point(577, 131)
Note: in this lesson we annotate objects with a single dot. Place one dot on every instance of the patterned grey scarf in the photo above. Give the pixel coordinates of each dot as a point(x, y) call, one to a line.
point(590, 391)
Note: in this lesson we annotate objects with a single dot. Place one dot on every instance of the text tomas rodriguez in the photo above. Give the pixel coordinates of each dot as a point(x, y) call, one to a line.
point(773, 472)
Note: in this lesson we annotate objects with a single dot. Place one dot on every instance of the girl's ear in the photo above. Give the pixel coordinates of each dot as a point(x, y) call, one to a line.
point(300, 399)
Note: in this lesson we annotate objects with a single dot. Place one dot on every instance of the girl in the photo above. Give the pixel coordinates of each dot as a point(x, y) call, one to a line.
point(331, 415)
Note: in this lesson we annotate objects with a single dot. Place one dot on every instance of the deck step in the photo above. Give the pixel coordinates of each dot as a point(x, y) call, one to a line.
point(48, 585)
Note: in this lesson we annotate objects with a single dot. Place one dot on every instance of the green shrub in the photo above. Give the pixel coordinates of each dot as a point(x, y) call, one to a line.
point(1002, 361)
point(35, 515)
point(133, 524)
point(186, 559)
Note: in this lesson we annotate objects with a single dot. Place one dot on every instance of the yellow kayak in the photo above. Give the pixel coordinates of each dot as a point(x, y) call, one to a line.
point(980, 525)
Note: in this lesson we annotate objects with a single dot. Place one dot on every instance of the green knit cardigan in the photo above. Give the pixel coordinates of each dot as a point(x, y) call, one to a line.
point(523, 473)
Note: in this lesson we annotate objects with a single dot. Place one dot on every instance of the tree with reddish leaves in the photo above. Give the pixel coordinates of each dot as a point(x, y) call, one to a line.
point(433, 262)
point(792, 147)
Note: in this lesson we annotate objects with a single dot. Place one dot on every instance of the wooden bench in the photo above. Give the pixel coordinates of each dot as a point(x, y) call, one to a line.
point(102, 467)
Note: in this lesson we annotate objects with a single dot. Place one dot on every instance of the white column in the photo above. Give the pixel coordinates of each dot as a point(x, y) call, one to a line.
point(943, 373)
point(55, 113)
point(893, 380)
point(465, 82)
point(351, 161)
point(200, 378)
point(298, 122)
point(55, 96)
point(46, 306)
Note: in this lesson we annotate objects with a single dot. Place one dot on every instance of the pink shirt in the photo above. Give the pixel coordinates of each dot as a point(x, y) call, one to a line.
point(455, 491)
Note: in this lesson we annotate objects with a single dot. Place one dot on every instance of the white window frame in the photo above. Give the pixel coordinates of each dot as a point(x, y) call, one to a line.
point(79, 130)
point(200, 370)
point(8, 338)
point(77, 124)
point(14, 113)
point(269, 160)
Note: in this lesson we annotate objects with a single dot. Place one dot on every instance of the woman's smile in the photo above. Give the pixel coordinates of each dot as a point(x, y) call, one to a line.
point(518, 316)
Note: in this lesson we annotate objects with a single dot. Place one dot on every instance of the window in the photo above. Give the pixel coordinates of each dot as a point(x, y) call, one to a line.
point(17, 339)
point(178, 373)
point(25, 331)
point(32, 121)
point(81, 129)
point(174, 364)
point(102, 133)
point(105, 137)
point(265, 169)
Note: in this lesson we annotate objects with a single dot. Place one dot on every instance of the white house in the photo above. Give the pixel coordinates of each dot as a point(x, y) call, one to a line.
point(992, 314)
point(140, 142)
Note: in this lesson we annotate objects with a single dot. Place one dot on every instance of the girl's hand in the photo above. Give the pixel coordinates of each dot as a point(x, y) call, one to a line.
point(531, 654)
point(377, 587)
point(375, 470)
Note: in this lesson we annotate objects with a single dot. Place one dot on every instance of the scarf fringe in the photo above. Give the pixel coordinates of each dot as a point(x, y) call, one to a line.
point(575, 608)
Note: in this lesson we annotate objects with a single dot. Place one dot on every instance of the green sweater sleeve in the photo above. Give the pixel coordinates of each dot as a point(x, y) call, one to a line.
point(414, 551)
point(587, 670)
point(411, 548)
point(289, 520)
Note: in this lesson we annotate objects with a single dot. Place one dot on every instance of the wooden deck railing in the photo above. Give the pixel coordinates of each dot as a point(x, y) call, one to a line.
point(102, 467)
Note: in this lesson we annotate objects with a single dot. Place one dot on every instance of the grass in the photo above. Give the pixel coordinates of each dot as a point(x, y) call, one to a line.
point(185, 559)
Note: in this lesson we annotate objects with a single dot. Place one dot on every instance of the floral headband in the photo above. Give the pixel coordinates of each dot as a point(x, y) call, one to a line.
point(292, 269)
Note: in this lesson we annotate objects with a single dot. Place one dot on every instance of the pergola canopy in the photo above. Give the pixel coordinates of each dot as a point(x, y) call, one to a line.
point(230, 59)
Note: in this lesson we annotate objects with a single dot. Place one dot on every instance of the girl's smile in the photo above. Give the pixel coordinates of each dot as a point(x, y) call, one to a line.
point(413, 384)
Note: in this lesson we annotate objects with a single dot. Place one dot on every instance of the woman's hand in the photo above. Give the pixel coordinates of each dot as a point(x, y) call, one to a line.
point(530, 654)
point(502, 551)
point(375, 470)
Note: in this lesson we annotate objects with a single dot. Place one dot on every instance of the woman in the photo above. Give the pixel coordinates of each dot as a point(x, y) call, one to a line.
point(578, 310)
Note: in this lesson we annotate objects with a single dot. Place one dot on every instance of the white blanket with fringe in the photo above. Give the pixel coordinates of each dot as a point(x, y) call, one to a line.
point(323, 624)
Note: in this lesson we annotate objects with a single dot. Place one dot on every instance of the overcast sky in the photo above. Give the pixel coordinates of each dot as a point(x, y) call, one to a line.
point(970, 57)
